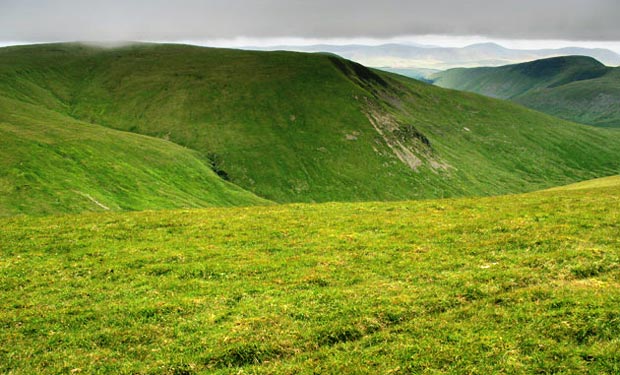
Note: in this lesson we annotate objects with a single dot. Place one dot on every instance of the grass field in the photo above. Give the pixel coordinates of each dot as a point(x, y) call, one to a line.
point(591, 184)
point(516, 284)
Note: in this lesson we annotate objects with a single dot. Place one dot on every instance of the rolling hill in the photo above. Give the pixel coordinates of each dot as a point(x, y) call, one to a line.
point(287, 127)
point(505, 284)
point(50, 163)
point(575, 88)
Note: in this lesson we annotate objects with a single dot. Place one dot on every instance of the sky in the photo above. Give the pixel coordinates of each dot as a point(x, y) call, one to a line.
point(236, 23)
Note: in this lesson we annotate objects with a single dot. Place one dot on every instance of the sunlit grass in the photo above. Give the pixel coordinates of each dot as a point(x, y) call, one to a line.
point(513, 284)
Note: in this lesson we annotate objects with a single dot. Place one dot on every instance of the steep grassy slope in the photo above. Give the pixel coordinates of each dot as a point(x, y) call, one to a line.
point(50, 163)
point(303, 127)
point(516, 284)
point(575, 88)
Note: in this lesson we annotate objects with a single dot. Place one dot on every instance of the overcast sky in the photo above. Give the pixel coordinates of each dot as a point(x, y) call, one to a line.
point(274, 21)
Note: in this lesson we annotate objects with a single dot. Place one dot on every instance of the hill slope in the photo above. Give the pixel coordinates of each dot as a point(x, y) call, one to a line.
point(575, 88)
point(294, 127)
point(50, 163)
point(516, 284)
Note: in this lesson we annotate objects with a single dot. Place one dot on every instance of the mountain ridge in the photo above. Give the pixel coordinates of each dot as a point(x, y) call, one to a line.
point(577, 88)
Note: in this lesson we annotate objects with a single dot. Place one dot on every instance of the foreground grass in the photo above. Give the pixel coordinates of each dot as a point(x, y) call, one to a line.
point(591, 184)
point(514, 284)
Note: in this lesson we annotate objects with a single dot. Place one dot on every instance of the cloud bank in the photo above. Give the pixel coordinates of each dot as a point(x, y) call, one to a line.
point(41, 20)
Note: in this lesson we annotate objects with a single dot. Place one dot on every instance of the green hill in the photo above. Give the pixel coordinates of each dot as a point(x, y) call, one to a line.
point(524, 284)
point(575, 88)
point(50, 163)
point(289, 127)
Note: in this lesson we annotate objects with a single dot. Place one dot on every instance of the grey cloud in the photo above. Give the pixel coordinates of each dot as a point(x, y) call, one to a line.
point(32, 20)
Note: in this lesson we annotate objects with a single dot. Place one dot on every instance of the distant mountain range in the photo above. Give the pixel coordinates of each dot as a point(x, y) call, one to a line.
point(403, 56)
point(576, 88)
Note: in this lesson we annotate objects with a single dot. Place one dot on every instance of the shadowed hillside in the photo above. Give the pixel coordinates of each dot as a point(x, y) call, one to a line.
point(575, 88)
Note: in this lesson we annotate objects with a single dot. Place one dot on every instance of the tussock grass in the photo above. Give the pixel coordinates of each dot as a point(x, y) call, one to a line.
point(513, 284)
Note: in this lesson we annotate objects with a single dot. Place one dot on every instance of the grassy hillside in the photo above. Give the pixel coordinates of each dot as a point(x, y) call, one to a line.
point(575, 88)
point(294, 127)
point(515, 284)
point(591, 184)
point(50, 163)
